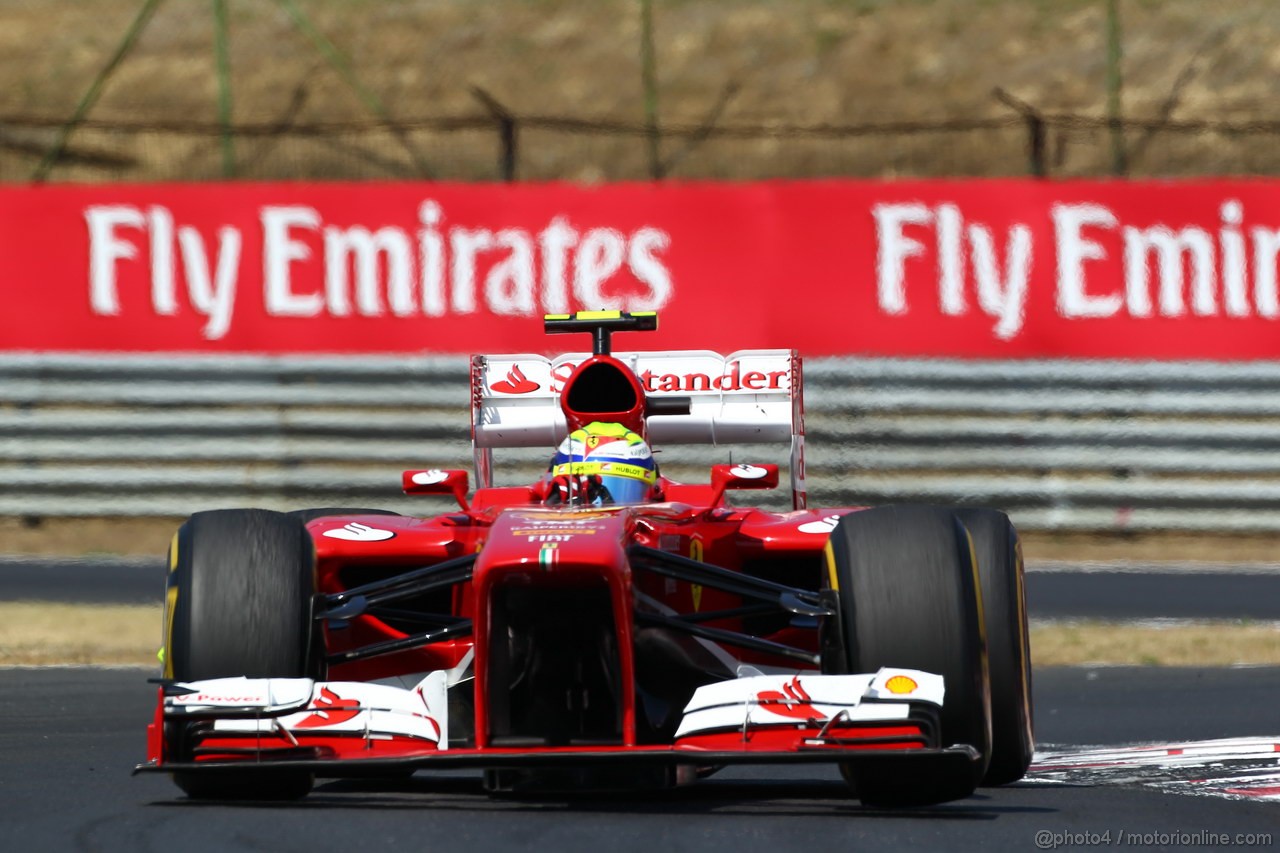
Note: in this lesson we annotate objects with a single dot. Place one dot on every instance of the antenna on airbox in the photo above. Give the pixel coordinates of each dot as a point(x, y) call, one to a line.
point(601, 325)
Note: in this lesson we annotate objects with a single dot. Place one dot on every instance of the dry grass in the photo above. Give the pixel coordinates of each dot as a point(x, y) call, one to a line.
point(39, 633)
point(140, 537)
point(1179, 644)
point(799, 62)
point(87, 537)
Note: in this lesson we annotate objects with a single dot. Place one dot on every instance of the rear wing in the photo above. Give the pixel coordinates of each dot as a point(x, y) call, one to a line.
point(746, 397)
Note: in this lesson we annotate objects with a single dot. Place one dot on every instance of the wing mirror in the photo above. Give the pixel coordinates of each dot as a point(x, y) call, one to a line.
point(435, 481)
point(741, 476)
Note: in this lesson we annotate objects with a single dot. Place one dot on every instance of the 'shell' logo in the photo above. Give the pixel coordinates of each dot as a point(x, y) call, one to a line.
point(515, 383)
point(330, 709)
point(792, 702)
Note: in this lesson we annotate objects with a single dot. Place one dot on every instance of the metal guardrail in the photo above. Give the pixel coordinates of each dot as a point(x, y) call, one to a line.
point(1061, 445)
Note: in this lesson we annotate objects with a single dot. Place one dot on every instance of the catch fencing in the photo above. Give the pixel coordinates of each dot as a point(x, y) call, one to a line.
point(608, 90)
point(509, 146)
point(1099, 446)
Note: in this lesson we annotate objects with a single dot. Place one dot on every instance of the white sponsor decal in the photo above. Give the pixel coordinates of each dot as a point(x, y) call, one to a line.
point(240, 692)
point(427, 268)
point(683, 373)
point(749, 472)
point(357, 532)
point(428, 478)
point(823, 525)
point(1167, 270)
point(211, 282)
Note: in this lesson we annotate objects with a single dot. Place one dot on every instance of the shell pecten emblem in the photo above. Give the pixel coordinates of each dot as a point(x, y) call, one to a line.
point(901, 685)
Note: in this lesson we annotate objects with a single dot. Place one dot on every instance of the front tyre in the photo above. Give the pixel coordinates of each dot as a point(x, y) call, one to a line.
point(909, 597)
point(238, 603)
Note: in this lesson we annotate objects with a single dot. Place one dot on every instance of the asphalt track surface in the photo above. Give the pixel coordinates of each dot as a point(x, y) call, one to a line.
point(1064, 592)
point(83, 581)
point(69, 737)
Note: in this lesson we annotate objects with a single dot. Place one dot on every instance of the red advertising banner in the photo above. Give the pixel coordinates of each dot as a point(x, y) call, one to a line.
point(999, 269)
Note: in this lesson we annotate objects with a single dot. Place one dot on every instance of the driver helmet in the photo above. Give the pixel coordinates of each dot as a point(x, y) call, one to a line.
point(603, 463)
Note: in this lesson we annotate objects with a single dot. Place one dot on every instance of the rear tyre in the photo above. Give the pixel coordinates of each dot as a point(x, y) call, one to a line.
point(238, 602)
point(999, 555)
point(909, 597)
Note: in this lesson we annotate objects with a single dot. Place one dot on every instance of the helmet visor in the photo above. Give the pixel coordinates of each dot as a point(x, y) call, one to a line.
point(626, 490)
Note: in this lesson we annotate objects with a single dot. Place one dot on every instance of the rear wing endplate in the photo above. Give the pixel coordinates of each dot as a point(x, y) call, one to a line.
point(745, 397)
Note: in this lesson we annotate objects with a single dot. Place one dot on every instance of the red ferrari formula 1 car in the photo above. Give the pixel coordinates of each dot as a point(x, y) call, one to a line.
point(605, 626)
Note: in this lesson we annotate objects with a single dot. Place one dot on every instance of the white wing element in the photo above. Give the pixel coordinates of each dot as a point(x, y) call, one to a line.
point(745, 397)
point(741, 398)
point(304, 707)
point(783, 700)
point(241, 695)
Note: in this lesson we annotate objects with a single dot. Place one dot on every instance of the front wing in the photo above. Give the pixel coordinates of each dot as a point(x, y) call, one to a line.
point(335, 729)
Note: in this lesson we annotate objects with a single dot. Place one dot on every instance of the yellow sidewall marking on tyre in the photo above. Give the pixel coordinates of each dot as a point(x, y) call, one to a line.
point(1024, 641)
point(170, 605)
point(830, 555)
point(982, 613)
point(977, 585)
